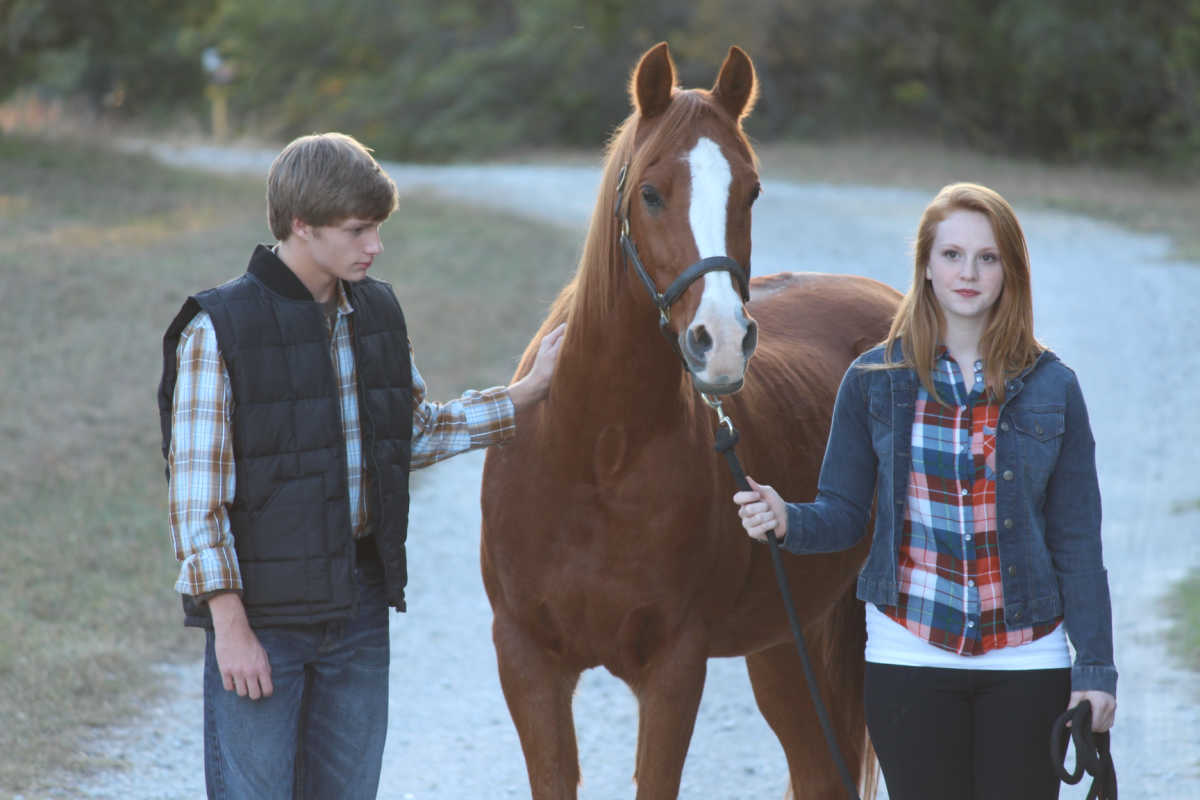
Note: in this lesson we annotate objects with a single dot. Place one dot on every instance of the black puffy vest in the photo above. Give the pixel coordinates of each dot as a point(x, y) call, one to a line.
point(291, 514)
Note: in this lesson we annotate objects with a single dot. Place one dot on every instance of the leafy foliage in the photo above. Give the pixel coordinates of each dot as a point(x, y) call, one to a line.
point(1062, 79)
point(121, 54)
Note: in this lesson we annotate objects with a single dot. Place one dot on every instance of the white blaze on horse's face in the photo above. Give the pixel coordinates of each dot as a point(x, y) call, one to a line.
point(716, 341)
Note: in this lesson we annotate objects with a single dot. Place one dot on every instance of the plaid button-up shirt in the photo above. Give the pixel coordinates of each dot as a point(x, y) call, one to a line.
point(951, 594)
point(201, 453)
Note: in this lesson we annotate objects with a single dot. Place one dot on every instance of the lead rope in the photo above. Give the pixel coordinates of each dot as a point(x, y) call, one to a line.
point(726, 440)
point(1092, 752)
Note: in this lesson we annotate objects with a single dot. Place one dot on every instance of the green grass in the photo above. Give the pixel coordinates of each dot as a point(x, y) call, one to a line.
point(1183, 605)
point(97, 252)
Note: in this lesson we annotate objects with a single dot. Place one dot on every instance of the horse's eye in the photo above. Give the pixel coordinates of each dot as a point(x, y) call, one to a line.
point(651, 197)
point(755, 192)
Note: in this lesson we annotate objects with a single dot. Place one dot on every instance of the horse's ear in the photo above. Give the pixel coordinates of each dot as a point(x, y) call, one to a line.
point(736, 88)
point(653, 81)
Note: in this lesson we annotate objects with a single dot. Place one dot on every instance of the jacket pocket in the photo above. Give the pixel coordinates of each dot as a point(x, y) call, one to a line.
point(1039, 439)
point(1041, 424)
point(291, 524)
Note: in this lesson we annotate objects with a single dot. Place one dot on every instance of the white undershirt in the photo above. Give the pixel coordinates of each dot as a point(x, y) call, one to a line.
point(889, 642)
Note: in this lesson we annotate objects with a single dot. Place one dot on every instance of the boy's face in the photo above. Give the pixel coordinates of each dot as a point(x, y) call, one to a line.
point(344, 250)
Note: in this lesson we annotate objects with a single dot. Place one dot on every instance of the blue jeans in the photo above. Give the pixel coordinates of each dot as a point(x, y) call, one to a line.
point(321, 733)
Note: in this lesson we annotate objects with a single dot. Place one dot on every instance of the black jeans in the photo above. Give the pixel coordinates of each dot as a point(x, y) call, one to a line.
point(957, 734)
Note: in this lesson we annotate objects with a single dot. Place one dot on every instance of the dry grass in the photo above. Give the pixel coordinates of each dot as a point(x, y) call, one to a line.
point(97, 252)
point(92, 248)
point(1141, 200)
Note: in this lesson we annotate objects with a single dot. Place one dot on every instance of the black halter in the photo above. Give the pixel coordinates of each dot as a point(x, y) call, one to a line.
point(664, 300)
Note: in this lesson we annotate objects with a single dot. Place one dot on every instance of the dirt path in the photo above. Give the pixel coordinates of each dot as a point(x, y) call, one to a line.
point(1109, 302)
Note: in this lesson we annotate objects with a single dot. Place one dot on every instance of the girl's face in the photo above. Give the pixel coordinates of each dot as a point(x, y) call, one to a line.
point(965, 269)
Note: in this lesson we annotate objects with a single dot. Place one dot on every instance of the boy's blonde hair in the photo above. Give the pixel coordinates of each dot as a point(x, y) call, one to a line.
point(323, 179)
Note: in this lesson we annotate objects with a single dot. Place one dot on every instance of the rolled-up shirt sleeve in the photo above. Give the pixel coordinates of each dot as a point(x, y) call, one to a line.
point(441, 430)
point(201, 485)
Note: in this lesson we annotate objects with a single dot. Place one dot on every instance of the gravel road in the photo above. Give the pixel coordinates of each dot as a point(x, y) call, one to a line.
point(1110, 302)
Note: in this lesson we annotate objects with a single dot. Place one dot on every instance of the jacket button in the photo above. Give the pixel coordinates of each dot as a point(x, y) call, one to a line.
point(1004, 426)
point(1037, 428)
point(1008, 523)
point(1008, 474)
point(1016, 615)
point(1012, 570)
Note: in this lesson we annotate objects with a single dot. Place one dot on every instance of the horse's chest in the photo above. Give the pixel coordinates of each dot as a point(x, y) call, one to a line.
point(608, 544)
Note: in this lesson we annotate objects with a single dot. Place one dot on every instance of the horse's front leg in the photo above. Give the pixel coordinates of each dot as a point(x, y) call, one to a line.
point(538, 689)
point(668, 691)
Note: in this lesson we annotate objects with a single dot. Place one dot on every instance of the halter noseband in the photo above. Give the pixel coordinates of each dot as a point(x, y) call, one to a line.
point(664, 300)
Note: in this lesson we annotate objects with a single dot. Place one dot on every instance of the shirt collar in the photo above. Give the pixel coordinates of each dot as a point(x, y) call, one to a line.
point(343, 296)
point(942, 353)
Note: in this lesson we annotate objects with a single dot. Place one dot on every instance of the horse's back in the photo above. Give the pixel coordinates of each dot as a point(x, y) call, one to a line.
point(824, 288)
point(848, 313)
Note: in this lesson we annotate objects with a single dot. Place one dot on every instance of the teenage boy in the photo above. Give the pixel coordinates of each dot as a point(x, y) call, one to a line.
point(291, 414)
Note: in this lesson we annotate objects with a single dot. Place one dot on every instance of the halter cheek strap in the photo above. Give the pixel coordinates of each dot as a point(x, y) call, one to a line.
point(664, 300)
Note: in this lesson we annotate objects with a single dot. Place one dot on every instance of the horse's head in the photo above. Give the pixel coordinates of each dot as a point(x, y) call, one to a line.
point(683, 205)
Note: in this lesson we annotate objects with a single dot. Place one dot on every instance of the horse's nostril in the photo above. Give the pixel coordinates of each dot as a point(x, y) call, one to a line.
point(699, 342)
point(750, 341)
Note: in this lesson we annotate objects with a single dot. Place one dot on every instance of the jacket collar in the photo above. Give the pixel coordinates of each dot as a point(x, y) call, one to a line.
point(276, 275)
point(1015, 385)
point(1045, 357)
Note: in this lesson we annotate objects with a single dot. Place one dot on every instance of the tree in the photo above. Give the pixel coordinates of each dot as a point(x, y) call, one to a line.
point(114, 52)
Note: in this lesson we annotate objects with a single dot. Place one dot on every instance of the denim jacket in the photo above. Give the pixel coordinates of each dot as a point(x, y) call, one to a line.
point(1047, 500)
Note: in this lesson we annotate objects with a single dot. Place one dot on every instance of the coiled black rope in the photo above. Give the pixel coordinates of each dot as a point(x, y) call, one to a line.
point(1092, 753)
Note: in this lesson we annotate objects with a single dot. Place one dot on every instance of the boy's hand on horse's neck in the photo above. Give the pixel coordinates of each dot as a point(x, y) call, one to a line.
point(535, 385)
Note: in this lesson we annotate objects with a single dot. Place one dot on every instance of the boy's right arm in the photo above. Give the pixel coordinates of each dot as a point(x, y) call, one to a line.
point(199, 493)
point(243, 662)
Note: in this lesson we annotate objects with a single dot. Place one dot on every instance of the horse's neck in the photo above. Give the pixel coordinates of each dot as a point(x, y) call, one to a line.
point(620, 371)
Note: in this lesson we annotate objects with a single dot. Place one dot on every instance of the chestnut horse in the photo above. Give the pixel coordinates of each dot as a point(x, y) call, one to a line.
point(609, 534)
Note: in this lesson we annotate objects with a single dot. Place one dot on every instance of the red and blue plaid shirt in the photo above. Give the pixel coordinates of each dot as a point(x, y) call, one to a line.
point(951, 594)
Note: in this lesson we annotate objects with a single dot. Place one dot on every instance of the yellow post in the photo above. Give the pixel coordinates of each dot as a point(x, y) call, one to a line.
point(218, 96)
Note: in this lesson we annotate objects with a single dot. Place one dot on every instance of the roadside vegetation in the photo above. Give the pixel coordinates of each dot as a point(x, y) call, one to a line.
point(1184, 608)
point(97, 252)
point(1098, 82)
